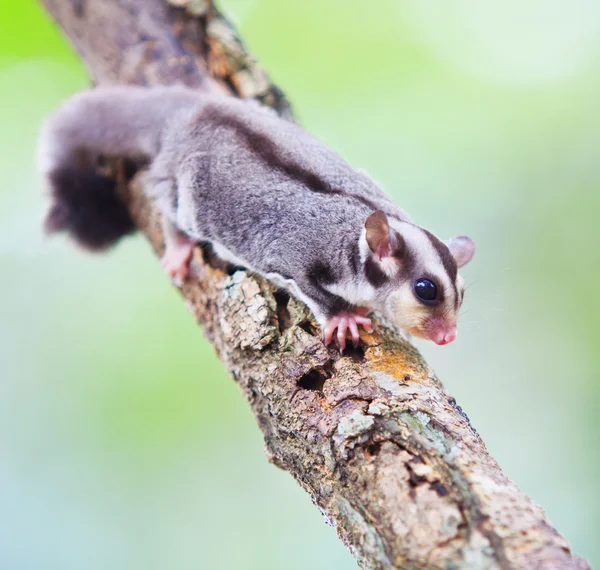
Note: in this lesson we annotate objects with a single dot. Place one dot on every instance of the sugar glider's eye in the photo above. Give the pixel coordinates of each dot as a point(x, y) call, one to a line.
point(425, 290)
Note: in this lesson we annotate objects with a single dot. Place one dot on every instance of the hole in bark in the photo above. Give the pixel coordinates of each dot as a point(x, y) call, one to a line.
point(284, 321)
point(357, 353)
point(308, 327)
point(373, 448)
point(313, 380)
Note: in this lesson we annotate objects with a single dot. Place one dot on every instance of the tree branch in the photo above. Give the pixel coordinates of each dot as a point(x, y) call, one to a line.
point(387, 456)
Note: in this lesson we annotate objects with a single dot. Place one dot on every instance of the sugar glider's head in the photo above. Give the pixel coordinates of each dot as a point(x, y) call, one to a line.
point(415, 275)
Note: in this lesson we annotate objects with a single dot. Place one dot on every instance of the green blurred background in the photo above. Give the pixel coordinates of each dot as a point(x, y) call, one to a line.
point(124, 445)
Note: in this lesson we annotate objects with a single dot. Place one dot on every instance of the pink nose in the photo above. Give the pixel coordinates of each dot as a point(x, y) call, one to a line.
point(444, 335)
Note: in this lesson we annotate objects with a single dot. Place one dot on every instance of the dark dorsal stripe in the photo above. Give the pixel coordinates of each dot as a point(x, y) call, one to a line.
point(270, 154)
point(447, 260)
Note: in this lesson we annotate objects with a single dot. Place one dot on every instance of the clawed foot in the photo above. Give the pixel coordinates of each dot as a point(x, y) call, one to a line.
point(176, 260)
point(346, 321)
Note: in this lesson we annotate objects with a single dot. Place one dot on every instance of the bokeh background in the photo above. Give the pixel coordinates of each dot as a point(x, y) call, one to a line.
point(124, 445)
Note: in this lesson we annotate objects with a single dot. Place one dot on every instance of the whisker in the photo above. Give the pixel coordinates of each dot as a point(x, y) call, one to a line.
point(484, 278)
point(472, 283)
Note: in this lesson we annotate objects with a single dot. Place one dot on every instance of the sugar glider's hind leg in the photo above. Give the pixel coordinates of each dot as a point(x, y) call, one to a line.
point(179, 246)
point(178, 251)
point(176, 185)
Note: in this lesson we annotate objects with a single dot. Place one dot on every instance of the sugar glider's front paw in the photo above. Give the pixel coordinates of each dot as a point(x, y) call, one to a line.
point(346, 321)
point(177, 257)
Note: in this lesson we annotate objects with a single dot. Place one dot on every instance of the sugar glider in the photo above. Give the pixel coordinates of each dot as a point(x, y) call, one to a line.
point(265, 193)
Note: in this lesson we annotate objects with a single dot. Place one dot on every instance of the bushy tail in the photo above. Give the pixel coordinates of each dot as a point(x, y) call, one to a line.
point(125, 122)
point(85, 204)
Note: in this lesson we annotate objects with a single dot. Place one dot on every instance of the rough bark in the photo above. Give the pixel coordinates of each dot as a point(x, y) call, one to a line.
point(385, 453)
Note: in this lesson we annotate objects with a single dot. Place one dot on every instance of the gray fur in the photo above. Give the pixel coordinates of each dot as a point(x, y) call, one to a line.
point(266, 193)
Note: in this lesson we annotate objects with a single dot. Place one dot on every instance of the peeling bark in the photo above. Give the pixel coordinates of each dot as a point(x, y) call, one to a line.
point(385, 453)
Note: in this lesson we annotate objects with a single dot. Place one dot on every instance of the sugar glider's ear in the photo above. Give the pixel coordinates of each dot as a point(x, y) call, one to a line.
point(382, 240)
point(462, 249)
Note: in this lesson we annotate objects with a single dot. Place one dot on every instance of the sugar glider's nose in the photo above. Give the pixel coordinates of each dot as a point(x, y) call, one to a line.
point(443, 334)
